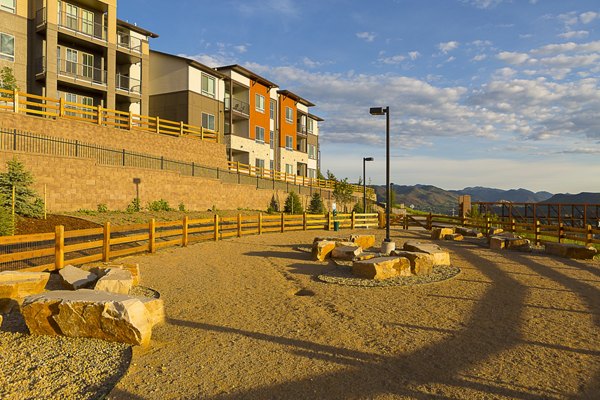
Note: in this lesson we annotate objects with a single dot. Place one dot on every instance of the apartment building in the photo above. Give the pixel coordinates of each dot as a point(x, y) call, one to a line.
point(185, 90)
point(76, 50)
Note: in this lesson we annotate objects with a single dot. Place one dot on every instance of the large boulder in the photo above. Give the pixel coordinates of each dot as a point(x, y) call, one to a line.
point(346, 253)
point(440, 233)
point(91, 314)
point(420, 263)
point(571, 251)
point(440, 257)
point(101, 268)
point(381, 268)
point(74, 278)
point(322, 249)
point(508, 240)
point(115, 280)
point(15, 286)
point(364, 241)
point(468, 232)
point(456, 237)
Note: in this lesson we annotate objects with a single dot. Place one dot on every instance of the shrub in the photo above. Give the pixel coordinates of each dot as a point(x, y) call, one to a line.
point(316, 204)
point(181, 207)
point(27, 201)
point(134, 206)
point(102, 208)
point(293, 205)
point(159, 205)
point(6, 222)
point(358, 208)
point(273, 205)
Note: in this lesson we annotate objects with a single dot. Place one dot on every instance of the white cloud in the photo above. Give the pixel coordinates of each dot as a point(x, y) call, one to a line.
point(211, 60)
point(286, 8)
point(241, 48)
point(397, 59)
point(513, 58)
point(311, 63)
point(484, 4)
point(446, 47)
point(366, 36)
point(479, 57)
point(588, 17)
point(414, 55)
point(574, 35)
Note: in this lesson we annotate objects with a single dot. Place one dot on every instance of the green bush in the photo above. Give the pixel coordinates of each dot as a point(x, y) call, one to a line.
point(316, 205)
point(27, 201)
point(134, 206)
point(102, 208)
point(293, 205)
point(6, 222)
point(273, 205)
point(181, 207)
point(159, 205)
point(358, 208)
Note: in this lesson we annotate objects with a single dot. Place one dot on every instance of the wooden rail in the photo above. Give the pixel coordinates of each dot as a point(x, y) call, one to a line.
point(52, 251)
point(22, 102)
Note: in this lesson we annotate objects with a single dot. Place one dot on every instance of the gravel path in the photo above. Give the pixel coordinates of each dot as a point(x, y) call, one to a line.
point(248, 318)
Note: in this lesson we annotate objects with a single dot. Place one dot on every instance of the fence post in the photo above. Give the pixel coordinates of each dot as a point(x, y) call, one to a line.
point(561, 232)
point(15, 101)
point(130, 121)
point(429, 221)
point(157, 127)
point(588, 235)
point(260, 223)
point(216, 228)
point(381, 217)
point(184, 237)
point(99, 114)
point(123, 157)
point(106, 242)
point(488, 226)
point(304, 220)
point(353, 220)
point(152, 236)
point(282, 222)
point(513, 226)
point(405, 221)
point(59, 247)
point(537, 232)
point(202, 133)
point(180, 128)
point(239, 225)
point(61, 107)
point(329, 221)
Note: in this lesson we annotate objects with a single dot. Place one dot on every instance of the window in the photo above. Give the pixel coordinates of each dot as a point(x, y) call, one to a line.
point(259, 163)
point(312, 173)
point(272, 107)
point(289, 115)
point(260, 103)
point(208, 121)
point(89, 102)
point(71, 16)
point(289, 143)
point(7, 5)
point(260, 134)
point(7, 47)
point(312, 151)
point(70, 98)
point(309, 125)
point(289, 169)
point(271, 165)
point(208, 86)
point(71, 61)
point(272, 139)
point(88, 65)
point(87, 22)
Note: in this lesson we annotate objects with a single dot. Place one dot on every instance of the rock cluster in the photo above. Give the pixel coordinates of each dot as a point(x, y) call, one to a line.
point(571, 251)
point(415, 258)
point(451, 233)
point(95, 304)
point(510, 241)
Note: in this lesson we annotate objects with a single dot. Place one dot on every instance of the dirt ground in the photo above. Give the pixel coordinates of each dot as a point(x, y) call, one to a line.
point(248, 320)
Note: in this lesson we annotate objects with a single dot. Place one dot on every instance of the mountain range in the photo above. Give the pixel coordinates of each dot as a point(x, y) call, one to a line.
point(437, 200)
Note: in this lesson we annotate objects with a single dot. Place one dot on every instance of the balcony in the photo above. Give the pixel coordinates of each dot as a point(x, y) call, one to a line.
point(129, 43)
point(239, 107)
point(81, 72)
point(129, 84)
point(301, 129)
point(74, 24)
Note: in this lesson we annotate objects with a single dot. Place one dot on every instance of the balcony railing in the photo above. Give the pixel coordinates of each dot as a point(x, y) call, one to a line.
point(128, 42)
point(129, 84)
point(81, 72)
point(74, 23)
point(301, 129)
point(238, 106)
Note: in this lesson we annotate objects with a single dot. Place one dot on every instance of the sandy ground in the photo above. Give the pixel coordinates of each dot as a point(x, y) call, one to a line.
point(510, 326)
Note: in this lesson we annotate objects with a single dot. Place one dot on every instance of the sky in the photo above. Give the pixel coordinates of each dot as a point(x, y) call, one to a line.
point(495, 93)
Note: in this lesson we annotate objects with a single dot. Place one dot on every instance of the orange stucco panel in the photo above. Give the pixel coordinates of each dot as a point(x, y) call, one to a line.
point(287, 128)
point(259, 118)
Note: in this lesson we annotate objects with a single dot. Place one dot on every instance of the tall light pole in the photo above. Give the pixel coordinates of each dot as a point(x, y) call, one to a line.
point(386, 111)
point(365, 159)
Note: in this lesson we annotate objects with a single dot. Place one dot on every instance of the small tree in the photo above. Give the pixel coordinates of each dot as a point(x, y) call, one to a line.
point(27, 201)
point(316, 204)
point(342, 192)
point(358, 208)
point(273, 205)
point(6, 222)
point(7, 79)
point(293, 205)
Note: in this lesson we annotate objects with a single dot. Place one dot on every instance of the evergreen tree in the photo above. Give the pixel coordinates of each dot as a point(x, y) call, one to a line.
point(6, 222)
point(273, 206)
point(293, 205)
point(316, 204)
point(27, 201)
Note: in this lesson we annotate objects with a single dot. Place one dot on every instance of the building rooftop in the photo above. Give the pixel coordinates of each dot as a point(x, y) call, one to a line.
point(249, 74)
point(294, 96)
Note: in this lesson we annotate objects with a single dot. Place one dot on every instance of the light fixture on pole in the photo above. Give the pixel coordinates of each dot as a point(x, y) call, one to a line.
point(365, 159)
point(387, 245)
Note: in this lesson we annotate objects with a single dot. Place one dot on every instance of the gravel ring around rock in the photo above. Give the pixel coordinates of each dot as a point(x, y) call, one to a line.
point(43, 367)
point(342, 275)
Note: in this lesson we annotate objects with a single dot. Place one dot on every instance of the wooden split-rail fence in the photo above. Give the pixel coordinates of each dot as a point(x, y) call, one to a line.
point(52, 251)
